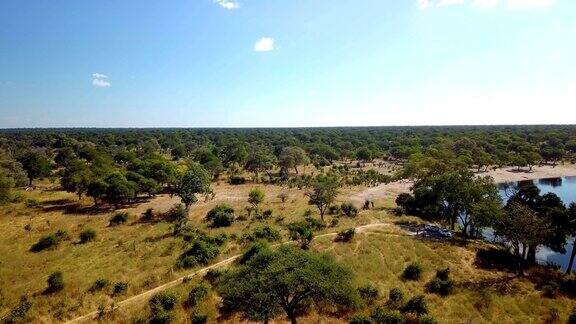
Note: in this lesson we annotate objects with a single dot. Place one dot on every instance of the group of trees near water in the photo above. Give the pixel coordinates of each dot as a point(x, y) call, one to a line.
point(445, 190)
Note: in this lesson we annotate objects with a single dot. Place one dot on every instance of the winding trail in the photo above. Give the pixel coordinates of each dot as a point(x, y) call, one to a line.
point(180, 280)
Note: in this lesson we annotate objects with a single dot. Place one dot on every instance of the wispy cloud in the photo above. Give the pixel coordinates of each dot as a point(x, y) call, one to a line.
point(99, 76)
point(227, 4)
point(99, 80)
point(424, 4)
point(265, 44)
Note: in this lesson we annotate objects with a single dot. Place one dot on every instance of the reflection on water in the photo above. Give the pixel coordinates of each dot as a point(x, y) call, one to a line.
point(565, 188)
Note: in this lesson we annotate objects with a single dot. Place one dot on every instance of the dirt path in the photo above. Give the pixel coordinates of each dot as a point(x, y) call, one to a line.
point(180, 280)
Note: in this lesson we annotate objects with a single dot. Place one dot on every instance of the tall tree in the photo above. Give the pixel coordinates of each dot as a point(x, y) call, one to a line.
point(194, 182)
point(36, 165)
point(288, 279)
point(292, 157)
point(323, 193)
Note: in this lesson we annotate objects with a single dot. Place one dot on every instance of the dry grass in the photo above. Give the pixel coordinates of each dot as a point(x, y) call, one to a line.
point(143, 255)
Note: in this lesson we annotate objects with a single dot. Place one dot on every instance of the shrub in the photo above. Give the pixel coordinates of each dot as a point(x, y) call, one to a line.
point(252, 251)
point(221, 216)
point(267, 213)
point(349, 209)
point(412, 272)
point(441, 287)
point(99, 284)
point(416, 305)
point(443, 274)
point(148, 215)
point(369, 293)
point(162, 302)
point(119, 288)
point(267, 233)
point(199, 319)
point(302, 232)
point(395, 297)
point(201, 252)
point(46, 242)
point(383, 315)
point(119, 218)
point(161, 318)
point(62, 235)
point(256, 196)
point(361, 319)
point(441, 284)
point(346, 235)
point(197, 294)
point(237, 180)
point(55, 282)
point(87, 235)
point(427, 319)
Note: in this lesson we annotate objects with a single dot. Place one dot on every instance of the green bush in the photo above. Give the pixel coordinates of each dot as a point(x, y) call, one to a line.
point(162, 302)
point(346, 235)
point(45, 242)
point(398, 211)
point(267, 213)
point(443, 274)
point(237, 180)
point(161, 318)
point(267, 233)
point(386, 316)
point(55, 282)
point(254, 249)
point(119, 218)
point(99, 284)
point(87, 235)
point(120, 288)
point(197, 294)
point(441, 287)
point(199, 319)
point(395, 297)
point(221, 216)
point(369, 293)
point(416, 305)
point(349, 209)
point(412, 272)
point(201, 252)
point(148, 215)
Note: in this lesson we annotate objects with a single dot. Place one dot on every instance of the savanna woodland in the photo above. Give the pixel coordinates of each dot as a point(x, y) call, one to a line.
point(300, 225)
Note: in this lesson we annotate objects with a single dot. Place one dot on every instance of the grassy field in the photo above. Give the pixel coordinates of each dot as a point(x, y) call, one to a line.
point(143, 255)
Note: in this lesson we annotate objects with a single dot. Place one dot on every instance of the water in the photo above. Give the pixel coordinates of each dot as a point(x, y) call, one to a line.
point(565, 188)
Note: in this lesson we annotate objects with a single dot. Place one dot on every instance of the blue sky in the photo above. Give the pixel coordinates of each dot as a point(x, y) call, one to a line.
point(274, 63)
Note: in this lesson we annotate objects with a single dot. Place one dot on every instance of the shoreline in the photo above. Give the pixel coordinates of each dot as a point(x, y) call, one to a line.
point(500, 176)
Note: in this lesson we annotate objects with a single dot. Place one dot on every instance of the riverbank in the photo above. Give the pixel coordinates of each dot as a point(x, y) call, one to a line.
point(511, 174)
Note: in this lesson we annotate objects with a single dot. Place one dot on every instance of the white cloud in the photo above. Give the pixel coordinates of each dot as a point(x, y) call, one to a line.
point(227, 4)
point(100, 83)
point(312, 93)
point(443, 3)
point(265, 44)
point(528, 4)
point(100, 80)
point(99, 76)
point(485, 4)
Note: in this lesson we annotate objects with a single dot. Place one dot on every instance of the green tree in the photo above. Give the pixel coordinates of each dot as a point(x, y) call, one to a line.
point(292, 157)
point(571, 226)
point(36, 165)
point(194, 182)
point(323, 193)
point(287, 279)
point(260, 161)
point(76, 177)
